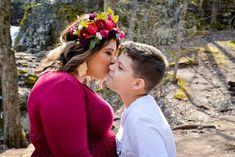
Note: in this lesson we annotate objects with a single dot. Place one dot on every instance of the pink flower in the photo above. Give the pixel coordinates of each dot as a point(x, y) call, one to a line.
point(92, 28)
point(104, 33)
point(110, 17)
point(92, 16)
point(110, 24)
point(72, 29)
point(100, 24)
point(122, 35)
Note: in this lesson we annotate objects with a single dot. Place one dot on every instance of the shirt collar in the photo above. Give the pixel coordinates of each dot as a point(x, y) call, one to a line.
point(134, 104)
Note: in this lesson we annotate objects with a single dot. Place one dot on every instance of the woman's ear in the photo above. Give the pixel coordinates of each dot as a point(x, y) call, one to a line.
point(139, 84)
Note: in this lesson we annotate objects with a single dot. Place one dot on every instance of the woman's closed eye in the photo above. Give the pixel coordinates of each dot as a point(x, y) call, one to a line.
point(109, 53)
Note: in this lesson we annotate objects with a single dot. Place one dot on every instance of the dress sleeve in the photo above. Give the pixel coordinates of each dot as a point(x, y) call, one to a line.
point(146, 138)
point(64, 120)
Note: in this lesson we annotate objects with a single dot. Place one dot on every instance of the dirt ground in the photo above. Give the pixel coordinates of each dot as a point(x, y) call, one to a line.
point(203, 123)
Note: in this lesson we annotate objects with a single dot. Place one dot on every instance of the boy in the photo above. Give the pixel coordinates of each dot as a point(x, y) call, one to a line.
point(144, 131)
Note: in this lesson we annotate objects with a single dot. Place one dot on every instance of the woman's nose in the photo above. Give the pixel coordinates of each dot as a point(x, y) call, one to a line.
point(113, 59)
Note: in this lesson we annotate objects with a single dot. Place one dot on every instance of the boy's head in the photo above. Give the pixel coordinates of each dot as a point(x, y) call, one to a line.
point(139, 66)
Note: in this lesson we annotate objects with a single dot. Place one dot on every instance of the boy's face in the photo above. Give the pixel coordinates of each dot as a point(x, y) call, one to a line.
point(120, 78)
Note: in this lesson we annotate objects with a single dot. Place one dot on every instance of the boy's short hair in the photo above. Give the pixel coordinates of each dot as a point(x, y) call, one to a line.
point(148, 62)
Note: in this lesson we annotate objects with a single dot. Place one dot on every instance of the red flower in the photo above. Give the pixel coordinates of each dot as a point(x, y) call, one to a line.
point(92, 28)
point(110, 24)
point(100, 24)
point(104, 33)
point(84, 33)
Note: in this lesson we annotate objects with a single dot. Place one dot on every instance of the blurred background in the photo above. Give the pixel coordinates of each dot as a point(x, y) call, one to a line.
point(197, 36)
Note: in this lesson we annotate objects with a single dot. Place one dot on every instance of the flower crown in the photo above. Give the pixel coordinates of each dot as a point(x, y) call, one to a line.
point(94, 27)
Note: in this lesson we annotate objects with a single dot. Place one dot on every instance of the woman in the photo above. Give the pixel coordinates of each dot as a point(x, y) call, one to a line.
point(68, 119)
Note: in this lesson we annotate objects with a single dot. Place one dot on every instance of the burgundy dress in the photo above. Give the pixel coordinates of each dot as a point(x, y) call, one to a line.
point(67, 119)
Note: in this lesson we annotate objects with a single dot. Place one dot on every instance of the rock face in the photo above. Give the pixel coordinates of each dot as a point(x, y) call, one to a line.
point(18, 9)
point(43, 22)
point(153, 22)
point(232, 87)
point(37, 33)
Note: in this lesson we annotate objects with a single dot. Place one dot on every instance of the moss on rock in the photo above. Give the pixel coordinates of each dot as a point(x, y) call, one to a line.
point(183, 91)
point(68, 11)
point(31, 80)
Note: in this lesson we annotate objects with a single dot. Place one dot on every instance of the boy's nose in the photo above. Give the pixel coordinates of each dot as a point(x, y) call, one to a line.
point(111, 67)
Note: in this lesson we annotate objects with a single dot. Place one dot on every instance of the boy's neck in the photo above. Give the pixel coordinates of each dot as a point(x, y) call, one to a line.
point(129, 99)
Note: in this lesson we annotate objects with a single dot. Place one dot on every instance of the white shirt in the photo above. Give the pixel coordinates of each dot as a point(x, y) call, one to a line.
point(144, 131)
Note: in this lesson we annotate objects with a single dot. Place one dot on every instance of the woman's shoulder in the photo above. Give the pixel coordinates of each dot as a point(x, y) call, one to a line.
point(52, 78)
point(57, 76)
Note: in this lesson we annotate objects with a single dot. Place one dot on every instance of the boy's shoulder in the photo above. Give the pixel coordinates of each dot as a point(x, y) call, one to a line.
point(145, 110)
point(143, 107)
point(144, 103)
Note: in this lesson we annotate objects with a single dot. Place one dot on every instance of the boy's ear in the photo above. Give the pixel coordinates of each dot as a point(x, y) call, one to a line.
point(139, 84)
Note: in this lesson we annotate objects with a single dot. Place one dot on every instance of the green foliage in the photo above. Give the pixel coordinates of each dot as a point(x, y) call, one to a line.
point(180, 94)
point(22, 71)
point(229, 43)
point(216, 54)
point(24, 64)
point(167, 78)
point(183, 89)
point(100, 90)
point(31, 80)
point(66, 12)
point(185, 61)
point(219, 26)
point(27, 10)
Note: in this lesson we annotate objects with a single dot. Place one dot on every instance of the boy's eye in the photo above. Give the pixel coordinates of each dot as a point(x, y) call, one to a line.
point(119, 67)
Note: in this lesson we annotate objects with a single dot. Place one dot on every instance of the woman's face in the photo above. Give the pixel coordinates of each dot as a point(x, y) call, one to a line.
point(98, 64)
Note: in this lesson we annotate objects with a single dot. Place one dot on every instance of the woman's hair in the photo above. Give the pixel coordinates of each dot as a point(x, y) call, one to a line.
point(80, 40)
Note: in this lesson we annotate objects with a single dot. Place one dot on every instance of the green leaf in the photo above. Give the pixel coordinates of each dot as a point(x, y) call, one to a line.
point(115, 18)
point(84, 24)
point(117, 36)
point(97, 40)
point(109, 11)
point(92, 44)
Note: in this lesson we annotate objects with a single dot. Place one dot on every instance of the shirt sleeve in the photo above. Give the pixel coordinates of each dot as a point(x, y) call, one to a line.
point(64, 120)
point(146, 138)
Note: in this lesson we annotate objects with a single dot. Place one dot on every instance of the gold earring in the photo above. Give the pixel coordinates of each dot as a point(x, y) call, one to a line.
point(82, 70)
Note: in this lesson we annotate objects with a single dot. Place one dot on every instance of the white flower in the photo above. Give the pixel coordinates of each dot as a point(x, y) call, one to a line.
point(79, 27)
point(98, 35)
point(86, 16)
